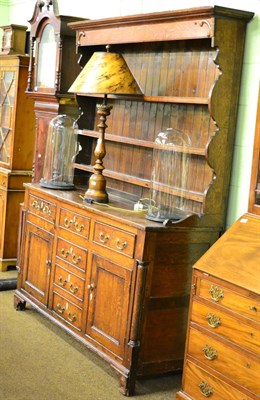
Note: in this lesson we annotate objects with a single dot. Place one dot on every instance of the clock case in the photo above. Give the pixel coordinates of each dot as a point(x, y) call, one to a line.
point(53, 100)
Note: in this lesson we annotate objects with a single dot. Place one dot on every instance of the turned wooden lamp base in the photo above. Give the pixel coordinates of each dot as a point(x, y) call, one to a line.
point(97, 183)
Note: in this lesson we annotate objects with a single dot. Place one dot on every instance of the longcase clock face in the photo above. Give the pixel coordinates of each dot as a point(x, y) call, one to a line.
point(46, 59)
point(7, 90)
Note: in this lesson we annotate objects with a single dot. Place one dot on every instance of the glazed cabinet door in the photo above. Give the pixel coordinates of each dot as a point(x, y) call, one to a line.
point(37, 262)
point(7, 107)
point(109, 296)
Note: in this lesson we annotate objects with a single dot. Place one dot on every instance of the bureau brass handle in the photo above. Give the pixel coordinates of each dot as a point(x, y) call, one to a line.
point(61, 281)
point(216, 293)
point(213, 320)
point(209, 352)
point(91, 287)
point(46, 210)
point(60, 308)
point(73, 289)
point(253, 308)
point(205, 389)
point(103, 238)
point(120, 246)
point(73, 318)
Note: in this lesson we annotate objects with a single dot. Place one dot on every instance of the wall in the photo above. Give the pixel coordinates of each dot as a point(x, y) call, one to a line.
point(20, 11)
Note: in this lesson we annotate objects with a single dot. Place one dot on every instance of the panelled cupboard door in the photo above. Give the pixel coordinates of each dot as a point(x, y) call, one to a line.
point(37, 262)
point(109, 295)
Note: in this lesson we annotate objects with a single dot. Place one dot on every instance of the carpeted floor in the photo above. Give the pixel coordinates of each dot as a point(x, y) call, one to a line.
point(39, 361)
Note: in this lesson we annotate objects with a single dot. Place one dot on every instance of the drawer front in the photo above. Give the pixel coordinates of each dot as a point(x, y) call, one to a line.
point(69, 282)
point(74, 222)
point(3, 181)
point(200, 385)
point(72, 254)
point(225, 325)
point(42, 208)
point(67, 311)
point(249, 306)
point(233, 364)
point(114, 239)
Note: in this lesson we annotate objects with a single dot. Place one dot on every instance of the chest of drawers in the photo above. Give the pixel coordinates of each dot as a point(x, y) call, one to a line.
point(222, 346)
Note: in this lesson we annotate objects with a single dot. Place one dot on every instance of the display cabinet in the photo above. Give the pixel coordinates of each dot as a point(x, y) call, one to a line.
point(116, 280)
point(16, 150)
point(222, 357)
point(254, 193)
point(50, 74)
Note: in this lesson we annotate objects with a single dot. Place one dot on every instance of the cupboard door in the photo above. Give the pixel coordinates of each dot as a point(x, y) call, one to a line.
point(37, 262)
point(109, 296)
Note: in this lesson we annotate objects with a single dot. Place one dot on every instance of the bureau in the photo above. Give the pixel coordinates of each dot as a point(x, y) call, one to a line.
point(222, 347)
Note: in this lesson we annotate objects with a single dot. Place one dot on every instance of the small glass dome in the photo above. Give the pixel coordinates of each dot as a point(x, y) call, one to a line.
point(61, 150)
point(170, 169)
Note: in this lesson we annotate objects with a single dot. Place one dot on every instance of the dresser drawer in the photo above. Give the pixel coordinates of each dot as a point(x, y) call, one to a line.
point(114, 239)
point(74, 222)
point(237, 366)
point(69, 282)
point(199, 384)
point(249, 306)
point(77, 256)
point(220, 323)
point(42, 208)
point(67, 311)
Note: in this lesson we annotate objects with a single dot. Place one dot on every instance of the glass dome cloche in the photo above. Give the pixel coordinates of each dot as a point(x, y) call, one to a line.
point(61, 149)
point(170, 171)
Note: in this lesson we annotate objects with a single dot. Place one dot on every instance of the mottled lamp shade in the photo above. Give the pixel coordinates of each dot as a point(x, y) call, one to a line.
point(106, 73)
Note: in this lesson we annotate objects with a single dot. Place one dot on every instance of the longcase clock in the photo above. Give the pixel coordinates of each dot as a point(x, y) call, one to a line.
point(53, 67)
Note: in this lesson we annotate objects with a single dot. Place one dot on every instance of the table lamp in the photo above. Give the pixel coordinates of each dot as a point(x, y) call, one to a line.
point(105, 73)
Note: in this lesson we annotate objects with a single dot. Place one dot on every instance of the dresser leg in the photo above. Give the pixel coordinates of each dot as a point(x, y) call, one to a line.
point(19, 303)
point(126, 385)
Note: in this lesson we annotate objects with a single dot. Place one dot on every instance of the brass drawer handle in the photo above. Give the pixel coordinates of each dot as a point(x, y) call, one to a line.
point(35, 205)
point(209, 352)
point(103, 238)
point(253, 308)
point(120, 246)
point(205, 389)
point(75, 259)
point(61, 281)
point(69, 222)
point(60, 308)
point(213, 320)
point(41, 206)
point(79, 228)
point(73, 289)
point(216, 293)
point(73, 318)
point(65, 253)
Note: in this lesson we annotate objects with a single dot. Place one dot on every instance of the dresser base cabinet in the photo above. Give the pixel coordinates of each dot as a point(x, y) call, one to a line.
point(222, 346)
point(116, 281)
